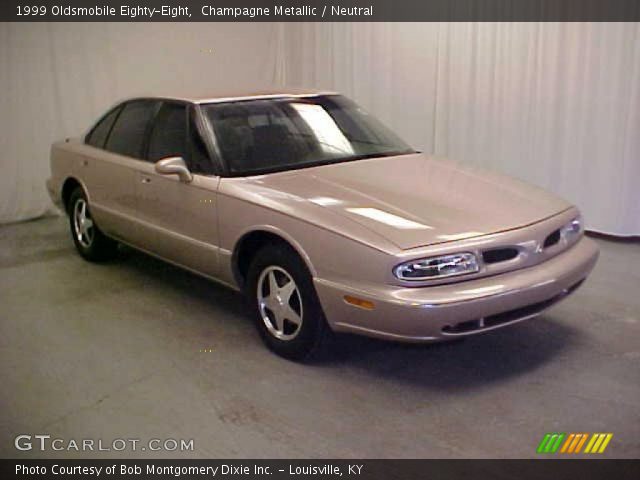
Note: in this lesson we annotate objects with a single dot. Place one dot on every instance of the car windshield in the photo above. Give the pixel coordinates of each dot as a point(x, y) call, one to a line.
point(266, 135)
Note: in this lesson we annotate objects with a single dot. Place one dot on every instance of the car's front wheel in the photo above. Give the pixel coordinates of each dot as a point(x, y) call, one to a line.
point(287, 310)
point(90, 242)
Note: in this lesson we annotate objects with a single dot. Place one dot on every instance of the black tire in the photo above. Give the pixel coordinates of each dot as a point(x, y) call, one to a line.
point(92, 245)
point(313, 331)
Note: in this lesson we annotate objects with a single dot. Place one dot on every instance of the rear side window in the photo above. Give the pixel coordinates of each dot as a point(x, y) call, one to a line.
point(98, 135)
point(169, 135)
point(128, 133)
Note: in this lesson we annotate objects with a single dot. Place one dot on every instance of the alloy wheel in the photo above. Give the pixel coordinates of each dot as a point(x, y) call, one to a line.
point(83, 224)
point(280, 303)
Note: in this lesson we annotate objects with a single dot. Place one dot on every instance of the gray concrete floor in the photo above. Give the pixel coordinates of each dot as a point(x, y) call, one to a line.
point(114, 351)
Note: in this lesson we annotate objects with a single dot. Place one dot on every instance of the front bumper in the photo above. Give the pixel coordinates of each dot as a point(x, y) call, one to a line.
point(458, 309)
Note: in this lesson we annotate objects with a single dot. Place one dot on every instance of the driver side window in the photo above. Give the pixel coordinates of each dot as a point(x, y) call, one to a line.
point(169, 134)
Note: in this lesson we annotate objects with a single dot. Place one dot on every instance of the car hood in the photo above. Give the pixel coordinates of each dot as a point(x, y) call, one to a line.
point(416, 200)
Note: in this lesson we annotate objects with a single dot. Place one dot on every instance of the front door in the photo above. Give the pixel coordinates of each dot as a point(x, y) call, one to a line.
point(178, 220)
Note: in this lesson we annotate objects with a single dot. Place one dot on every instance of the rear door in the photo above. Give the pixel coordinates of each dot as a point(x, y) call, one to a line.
point(178, 220)
point(110, 173)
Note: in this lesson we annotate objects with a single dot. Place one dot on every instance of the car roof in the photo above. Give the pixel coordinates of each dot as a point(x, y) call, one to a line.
point(240, 95)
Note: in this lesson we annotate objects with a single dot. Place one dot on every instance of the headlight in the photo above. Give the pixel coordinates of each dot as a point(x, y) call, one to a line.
point(437, 267)
point(572, 229)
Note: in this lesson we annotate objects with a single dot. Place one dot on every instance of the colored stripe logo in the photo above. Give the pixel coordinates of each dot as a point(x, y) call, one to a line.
point(574, 443)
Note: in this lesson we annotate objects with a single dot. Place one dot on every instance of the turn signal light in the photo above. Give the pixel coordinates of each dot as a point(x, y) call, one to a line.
point(359, 302)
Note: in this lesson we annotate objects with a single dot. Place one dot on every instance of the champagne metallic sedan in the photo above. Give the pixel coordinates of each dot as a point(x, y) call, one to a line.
point(321, 215)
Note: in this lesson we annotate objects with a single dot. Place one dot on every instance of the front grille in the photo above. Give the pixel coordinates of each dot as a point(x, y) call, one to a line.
point(506, 317)
point(552, 239)
point(499, 255)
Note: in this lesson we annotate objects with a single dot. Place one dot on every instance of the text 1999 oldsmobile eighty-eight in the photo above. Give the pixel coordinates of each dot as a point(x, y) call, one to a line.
point(321, 215)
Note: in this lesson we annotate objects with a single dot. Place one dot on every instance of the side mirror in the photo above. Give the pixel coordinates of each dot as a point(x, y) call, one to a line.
point(174, 166)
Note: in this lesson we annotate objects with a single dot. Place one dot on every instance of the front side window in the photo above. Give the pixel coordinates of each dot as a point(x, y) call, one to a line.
point(98, 135)
point(128, 133)
point(199, 159)
point(262, 135)
point(169, 135)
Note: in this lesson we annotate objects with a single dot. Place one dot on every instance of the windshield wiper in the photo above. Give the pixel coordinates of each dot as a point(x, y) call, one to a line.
point(379, 155)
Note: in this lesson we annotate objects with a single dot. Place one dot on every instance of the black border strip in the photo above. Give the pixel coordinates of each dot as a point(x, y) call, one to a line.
point(548, 468)
point(322, 11)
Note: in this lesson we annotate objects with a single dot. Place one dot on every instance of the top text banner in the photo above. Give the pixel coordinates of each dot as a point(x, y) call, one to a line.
point(319, 10)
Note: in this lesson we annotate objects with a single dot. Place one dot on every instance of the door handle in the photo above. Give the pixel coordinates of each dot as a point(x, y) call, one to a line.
point(146, 180)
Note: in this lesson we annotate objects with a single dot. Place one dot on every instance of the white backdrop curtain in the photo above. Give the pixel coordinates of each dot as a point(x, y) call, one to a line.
point(556, 104)
point(57, 78)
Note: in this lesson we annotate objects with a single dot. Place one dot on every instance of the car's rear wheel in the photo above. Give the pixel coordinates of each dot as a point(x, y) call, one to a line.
point(287, 311)
point(90, 242)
